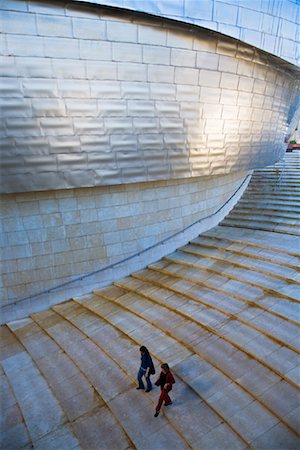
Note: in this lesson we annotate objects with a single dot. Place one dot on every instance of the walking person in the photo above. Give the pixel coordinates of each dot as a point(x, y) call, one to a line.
point(146, 369)
point(165, 381)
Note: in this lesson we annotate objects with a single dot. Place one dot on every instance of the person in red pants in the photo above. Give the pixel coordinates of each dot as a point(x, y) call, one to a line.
point(165, 381)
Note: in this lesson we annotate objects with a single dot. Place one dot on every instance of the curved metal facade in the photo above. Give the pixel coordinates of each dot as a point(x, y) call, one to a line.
point(97, 97)
point(270, 25)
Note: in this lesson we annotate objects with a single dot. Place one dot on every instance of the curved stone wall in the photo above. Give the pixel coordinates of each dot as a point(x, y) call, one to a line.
point(52, 237)
point(99, 97)
point(269, 25)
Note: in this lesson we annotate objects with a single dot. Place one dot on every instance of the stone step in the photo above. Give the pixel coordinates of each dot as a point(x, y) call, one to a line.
point(14, 433)
point(248, 249)
point(260, 321)
point(111, 383)
point(249, 296)
point(126, 352)
point(271, 195)
point(43, 416)
point(244, 210)
point(220, 272)
point(259, 216)
point(274, 202)
point(256, 337)
point(73, 391)
point(266, 241)
point(248, 262)
point(215, 350)
point(259, 226)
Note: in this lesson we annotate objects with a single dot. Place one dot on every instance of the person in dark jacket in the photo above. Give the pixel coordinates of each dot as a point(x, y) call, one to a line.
point(165, 381)
point(146, 369)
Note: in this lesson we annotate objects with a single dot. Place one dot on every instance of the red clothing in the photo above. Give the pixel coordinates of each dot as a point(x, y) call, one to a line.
point(164, 379)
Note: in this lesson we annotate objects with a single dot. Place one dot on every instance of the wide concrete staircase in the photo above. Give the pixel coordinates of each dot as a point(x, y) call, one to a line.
point(223, 311)
point(271, 202)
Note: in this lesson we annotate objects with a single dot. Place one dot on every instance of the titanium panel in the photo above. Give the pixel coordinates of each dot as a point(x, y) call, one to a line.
point(270, 25)
point(164, 101)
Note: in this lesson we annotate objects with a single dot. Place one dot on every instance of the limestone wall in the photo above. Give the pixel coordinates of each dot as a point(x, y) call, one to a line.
point(51, 237)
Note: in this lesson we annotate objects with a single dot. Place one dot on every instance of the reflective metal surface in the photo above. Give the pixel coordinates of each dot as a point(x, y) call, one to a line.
point(95, 97)
point(273, 26)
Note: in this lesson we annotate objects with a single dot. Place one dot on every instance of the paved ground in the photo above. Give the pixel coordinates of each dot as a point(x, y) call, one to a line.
point(223, 311)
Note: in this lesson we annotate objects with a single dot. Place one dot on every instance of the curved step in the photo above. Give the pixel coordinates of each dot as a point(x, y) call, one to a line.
point(105, 336)
point(43, 416)
point(208, 349)
point(110, 381)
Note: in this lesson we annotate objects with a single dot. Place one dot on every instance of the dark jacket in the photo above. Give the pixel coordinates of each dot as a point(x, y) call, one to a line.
point(165, 378)
point(146, 361)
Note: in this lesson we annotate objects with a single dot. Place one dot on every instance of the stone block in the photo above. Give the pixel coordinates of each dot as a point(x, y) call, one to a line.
point(246, 84)
point(73, 88)
point(186, 58)
point(244, 99)
point(48, 25)
point(64, 144)
point(245, 68)
point(167, 109)
point(119, 125)
point(95, 50)
point(127, 52)
point(203, 9)
point(132, 72)
point(8, 69)
point(161, 91)
point(225, 13)
point(14, 22)
point(32, 222)
point(171, 124)
point(160, 74)
point(15, 107)
point(248, 18)
point(53, 126)
point(211, 111)
point(72, 69)
point(229, 97)
point(117, 31)
point(50, 107)
point(185, 75)
point(84, 28)
point(141, 108)
point(106, 89)
point(229, 81)
point(145, 125)
point(15, 5)
point(186, 92)
point(81, 107)
point(179, 39)
point(22, 45)
point(209, 78)
point(153, 54)
point(138, 90)
point(23, 128)
point(152, 36)
point(112, 108)
point(227, 64)
point(151, 141)
point(17, 238)
point(210, 95)
point(229, 112)
point(61, 48)
point(39, 88)
point(101, 70)
point(33, 67)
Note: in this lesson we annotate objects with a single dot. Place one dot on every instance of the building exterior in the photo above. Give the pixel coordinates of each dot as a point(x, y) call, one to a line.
point(126, 123)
